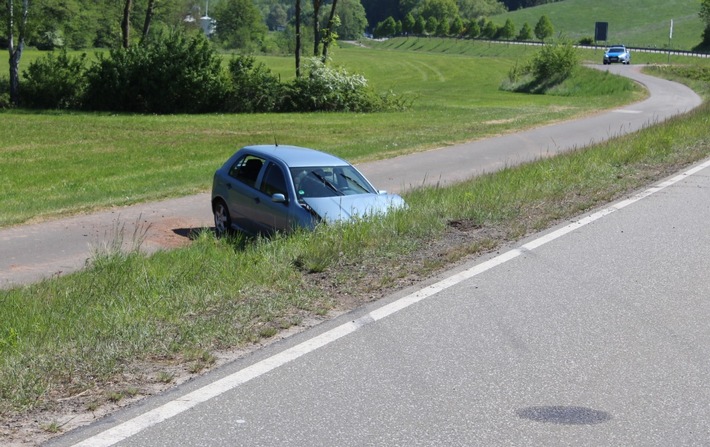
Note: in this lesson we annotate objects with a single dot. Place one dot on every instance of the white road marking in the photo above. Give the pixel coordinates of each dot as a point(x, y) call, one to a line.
point(131, 427)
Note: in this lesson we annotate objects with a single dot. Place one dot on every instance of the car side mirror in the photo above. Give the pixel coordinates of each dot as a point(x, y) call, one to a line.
point(278, 198)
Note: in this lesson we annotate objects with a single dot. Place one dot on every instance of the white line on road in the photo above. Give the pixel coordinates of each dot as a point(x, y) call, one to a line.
point(133, 426)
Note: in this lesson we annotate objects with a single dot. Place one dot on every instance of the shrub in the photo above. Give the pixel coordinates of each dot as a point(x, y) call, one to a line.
point(5, 102)
point(176, 73)
point(549, 67)
point(333, 89)
point(554, 63)
point(253, 87)
point(54, 82)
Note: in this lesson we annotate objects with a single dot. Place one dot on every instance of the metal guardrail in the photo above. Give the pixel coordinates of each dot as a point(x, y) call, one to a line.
point(602, 47)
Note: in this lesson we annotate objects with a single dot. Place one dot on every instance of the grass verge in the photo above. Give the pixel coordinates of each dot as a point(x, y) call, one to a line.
point(125, 323)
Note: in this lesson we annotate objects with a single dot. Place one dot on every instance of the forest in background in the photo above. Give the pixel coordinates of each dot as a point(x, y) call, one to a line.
point(241, 24)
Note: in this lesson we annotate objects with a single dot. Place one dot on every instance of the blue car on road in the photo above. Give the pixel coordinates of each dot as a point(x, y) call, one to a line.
point(617, 54)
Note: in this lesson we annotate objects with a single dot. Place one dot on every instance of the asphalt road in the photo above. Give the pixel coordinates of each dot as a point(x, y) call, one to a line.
point(29, 253)
point(594, 333)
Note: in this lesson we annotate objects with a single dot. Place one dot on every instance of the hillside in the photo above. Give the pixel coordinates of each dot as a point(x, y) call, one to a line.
point(641, 23)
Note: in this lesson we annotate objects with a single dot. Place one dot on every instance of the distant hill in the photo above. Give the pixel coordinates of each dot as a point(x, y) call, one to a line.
point(640, 23)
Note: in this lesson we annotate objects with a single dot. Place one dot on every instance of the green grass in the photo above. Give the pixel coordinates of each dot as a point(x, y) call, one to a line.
point(56, 164)
point(87, 330)
point(515, 52)
point(128, 315)
point(639, 23)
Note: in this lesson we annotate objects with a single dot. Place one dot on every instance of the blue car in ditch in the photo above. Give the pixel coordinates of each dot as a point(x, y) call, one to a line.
point(617, 54)
point(269, 188)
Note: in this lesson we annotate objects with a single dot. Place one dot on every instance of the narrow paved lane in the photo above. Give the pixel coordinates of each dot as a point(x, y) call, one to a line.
point(31, 252)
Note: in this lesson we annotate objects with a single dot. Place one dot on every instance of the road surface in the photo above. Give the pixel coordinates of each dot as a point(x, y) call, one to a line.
point(592, 333)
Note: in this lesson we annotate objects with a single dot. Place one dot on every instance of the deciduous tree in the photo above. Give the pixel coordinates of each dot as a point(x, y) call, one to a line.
point(544, 28)
point(15, 50)
point(705, 16)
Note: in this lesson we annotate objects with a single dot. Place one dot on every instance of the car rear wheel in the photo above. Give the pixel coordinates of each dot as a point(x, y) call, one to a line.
point(222, 221)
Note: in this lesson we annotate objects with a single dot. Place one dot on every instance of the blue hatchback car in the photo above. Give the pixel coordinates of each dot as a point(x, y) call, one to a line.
point(269, 188)
point(617, 54)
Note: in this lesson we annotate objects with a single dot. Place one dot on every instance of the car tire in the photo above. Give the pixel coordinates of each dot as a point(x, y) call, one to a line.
point(222, 221)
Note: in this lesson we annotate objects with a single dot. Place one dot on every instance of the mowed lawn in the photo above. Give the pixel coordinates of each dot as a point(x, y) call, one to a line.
point(58, 163)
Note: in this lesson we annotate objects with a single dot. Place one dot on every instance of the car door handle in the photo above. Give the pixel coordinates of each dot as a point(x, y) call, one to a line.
point(257, 200)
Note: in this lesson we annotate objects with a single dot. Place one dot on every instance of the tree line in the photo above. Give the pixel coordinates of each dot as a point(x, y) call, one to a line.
point(442, 26)
point(379, 10)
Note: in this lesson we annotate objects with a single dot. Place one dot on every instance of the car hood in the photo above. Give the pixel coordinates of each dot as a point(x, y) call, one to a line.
point(343, 208)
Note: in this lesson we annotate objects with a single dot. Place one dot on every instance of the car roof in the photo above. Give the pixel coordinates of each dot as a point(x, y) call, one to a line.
point(295, 156)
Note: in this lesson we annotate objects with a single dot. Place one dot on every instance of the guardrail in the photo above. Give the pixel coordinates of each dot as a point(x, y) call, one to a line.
point(602, 47)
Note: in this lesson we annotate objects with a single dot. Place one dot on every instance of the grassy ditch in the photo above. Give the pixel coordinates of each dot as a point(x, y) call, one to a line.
point(128, 321)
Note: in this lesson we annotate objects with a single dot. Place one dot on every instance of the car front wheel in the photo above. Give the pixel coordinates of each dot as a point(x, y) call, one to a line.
point(222, 221)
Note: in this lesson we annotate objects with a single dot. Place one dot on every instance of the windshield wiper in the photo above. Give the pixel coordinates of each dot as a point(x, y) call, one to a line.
point(327, 183)
point(347, 177)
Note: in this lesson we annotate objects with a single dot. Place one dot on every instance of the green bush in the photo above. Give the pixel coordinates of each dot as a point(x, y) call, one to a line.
point(54, 82)
point(5, 102)
point(176, 73)
point(253, 87)
point(329, 89)
point(549, 67)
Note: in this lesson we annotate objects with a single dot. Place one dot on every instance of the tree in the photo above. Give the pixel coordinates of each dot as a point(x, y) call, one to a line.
point(329, 34)
point(420, 26)
point(705, 16)
point(525, 32)
point(16, 50)
point(440, 9)
point(474, 29)
point(408, 23)
point(431, 25)
point(457, 27)
point(126, 23)
point(489, 30)
point(444, 28)
point(353, 20)
point(378, 10)
point(473, 9)
point(544, 28)
point(277, 17)
point(386, 28)
point(240, 23)
point(507, 32)
point(316, 26)
point(298, 38)
point(148, 19)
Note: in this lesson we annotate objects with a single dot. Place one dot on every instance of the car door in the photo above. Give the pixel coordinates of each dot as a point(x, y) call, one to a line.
point(243, 197)
point(273, 215)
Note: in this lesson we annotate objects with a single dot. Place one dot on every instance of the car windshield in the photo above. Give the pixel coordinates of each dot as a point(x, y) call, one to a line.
point(329, 181)
point(616, 49)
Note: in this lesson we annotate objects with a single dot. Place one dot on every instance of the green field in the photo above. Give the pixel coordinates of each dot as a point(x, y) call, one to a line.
point(130, 324)
point(639, 23)
point(56, 163)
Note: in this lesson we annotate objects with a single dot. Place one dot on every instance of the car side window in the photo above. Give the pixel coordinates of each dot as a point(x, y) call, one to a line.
point(247, 169)
point(274, 181)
